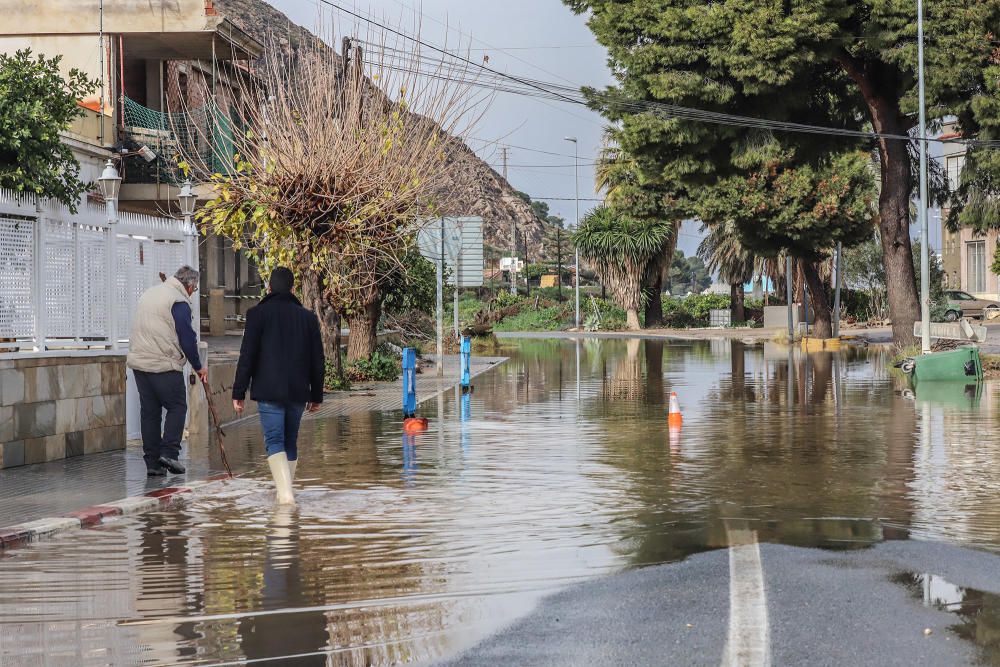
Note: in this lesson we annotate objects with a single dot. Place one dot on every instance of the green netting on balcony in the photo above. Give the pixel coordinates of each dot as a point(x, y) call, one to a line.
point(203, 137)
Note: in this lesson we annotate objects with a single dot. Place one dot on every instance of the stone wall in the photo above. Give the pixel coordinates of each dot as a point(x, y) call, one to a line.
point(55, 407)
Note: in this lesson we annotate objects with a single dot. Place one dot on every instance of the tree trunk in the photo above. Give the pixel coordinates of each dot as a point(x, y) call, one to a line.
point(894, 199)
point(311, 286)
point(737, 312)
point(819, 304)
point(894, 224)
point(364, 331)
point(654, 305)
point(632, 320)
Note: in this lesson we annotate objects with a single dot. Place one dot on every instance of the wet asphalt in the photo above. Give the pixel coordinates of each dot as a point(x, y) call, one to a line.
point(861, 607)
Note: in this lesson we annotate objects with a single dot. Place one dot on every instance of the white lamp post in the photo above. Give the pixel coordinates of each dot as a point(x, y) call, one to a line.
point(110, 183)
point(576, 180)
point(188, 199)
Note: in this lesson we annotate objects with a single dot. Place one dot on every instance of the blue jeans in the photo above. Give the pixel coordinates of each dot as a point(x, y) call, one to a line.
point(280, 422)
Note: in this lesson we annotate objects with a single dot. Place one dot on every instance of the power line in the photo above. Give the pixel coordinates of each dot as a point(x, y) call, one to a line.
point(436, 48)
point(660, 108)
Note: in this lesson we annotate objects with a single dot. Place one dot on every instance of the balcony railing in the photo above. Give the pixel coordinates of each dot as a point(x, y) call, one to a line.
point(203, 136)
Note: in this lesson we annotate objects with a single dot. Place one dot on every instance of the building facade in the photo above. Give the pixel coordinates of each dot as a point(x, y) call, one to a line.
point(171, 73)
point(966, 256)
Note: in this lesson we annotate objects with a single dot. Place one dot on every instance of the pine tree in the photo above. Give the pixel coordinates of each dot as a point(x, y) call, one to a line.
point(846, 64)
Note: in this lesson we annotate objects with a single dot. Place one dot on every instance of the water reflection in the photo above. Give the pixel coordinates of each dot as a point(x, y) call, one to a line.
point(978, 612)
point(559, 467)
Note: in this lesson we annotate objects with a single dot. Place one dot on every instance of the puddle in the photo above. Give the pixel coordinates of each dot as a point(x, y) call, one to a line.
point(978, 612)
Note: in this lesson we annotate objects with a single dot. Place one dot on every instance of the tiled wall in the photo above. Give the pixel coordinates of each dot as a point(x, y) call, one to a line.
point(52, 408)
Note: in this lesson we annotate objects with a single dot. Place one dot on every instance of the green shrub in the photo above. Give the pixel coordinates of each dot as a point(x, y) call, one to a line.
point(550, 318)
point(334, 382)
point(698, 305)
point(379, 367)
point(678, 318)
point(505, 299)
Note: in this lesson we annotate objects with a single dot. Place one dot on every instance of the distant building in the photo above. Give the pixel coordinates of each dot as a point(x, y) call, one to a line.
point(965, 255)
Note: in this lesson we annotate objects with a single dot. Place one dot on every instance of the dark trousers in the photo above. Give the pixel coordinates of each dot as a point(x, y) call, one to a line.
point(158, 392)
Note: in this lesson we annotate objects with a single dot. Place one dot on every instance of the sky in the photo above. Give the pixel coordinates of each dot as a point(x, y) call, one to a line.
point(540, 39)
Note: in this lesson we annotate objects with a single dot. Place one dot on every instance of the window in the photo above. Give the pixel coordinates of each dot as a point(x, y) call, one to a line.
point(954, 166)
point(976, 254)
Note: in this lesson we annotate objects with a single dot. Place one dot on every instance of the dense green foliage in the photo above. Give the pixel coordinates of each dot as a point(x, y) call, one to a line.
point(844, 65)
point(36, 104)
point(687, 274)
point(865, 289)
point(414, 287)
point(802, 210)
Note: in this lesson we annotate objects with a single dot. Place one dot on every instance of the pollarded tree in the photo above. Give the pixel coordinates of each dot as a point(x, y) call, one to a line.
point(622, 251)
point(801, 210)
point(845, 65)
point(337, 168)
point(36, 104)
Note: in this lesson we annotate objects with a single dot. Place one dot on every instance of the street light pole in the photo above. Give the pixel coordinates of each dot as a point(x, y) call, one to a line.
point(110, 182)
point(925, 288)
point(188, 199)
point(576, 181)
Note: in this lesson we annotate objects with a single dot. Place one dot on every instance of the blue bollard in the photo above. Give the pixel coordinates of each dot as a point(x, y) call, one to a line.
point(409, 382)
point(466, 361)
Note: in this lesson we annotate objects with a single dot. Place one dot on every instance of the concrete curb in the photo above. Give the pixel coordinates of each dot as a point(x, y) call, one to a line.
point(95, 515)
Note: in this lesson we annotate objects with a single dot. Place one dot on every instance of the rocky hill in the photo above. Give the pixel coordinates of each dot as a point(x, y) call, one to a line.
point(479, 188)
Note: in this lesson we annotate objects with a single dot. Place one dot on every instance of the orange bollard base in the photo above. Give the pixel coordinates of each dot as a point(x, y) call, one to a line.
point(415, 424)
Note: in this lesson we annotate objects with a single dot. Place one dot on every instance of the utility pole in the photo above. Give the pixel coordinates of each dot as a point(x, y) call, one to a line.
point(513, 232)
point(440, 304)
point(527, 280)
point(576, 181)
point(100, 58)
point(925, 271)
point(789, 297)
point(559, 260)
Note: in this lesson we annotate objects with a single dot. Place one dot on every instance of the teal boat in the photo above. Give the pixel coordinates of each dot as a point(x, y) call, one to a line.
point(958, 365)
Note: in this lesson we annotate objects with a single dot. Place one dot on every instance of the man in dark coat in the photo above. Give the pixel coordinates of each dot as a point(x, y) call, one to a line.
point(282, 364)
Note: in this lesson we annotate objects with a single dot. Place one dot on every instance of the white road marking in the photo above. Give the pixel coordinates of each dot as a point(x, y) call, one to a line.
point(749, 641)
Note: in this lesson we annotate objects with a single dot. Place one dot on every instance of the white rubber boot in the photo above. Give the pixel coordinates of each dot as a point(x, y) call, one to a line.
point(291, 469)
point(282, 478)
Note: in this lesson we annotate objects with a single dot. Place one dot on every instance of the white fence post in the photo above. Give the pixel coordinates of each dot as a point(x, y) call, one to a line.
point(112, 275)
point(38, 280)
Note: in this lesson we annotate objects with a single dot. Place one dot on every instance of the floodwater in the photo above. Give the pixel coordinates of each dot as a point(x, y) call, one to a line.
point(559, 468)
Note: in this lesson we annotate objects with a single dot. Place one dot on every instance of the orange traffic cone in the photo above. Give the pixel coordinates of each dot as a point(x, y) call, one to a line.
point(674, 418)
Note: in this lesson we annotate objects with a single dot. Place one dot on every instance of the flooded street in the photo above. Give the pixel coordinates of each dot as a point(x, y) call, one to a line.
point(558, 469)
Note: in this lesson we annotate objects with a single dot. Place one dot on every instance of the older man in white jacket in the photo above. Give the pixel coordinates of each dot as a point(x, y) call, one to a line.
point(162, 337)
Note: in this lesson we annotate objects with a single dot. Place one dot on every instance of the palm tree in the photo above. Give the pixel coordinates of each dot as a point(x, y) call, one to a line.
point(724, 255)
point(618, 174)
point(623, 251)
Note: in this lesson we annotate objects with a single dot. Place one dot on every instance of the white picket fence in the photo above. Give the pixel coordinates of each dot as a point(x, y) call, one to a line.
point(71, 281)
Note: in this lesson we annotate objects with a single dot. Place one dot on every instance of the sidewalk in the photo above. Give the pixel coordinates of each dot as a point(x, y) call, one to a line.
point(55, 489)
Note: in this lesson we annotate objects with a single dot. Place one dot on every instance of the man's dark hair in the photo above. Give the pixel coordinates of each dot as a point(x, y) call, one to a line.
point(281, 280)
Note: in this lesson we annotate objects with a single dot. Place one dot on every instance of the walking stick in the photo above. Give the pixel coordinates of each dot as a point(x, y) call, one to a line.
point(218, 428)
